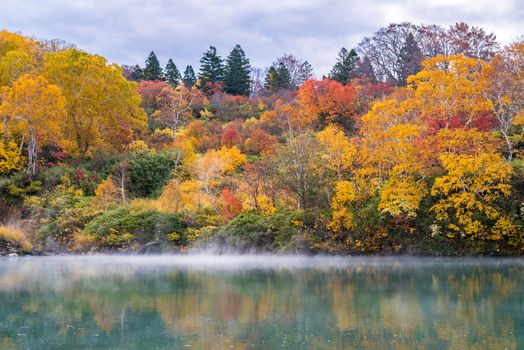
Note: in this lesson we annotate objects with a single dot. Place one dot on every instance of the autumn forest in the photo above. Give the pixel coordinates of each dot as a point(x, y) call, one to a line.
point(412, 144)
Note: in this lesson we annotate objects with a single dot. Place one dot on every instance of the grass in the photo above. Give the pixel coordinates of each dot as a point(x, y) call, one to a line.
point(15, 237)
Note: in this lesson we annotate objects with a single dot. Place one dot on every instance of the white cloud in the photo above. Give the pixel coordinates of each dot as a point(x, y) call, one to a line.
point(126, 30)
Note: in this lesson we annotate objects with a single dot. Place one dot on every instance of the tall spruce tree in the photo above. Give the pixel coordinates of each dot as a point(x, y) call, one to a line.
point(343, 70)
point(410, 59)
point(364, 70)
point(152, 71)
point(237, 73)
point(211, 68)
point(278, 78)
point(137, 74)
point(171, 73)
point(189, 78)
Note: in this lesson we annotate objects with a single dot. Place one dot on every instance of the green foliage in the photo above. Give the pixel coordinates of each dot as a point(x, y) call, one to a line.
point(149, 172)
point(152, 70)
point(253, 230)
point(211, 68)
point(278, 78)
point(346, 63)
point(237, 79)
point(171, 73)
point(189, 78)
point(144, 223)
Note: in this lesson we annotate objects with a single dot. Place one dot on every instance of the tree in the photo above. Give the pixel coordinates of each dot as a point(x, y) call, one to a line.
point(211, 69)
point(36, 109)
point(299, 71)
point(364, 71)
point(175, 106)
point(278, 79)
point(137, 74)
point(237, 73)
point(103, 108)
point(347, 61)
point(189, 78)
point(171, 73)
point(410, 59)
point(471, 41)
point(152, 70)
point(13, 65)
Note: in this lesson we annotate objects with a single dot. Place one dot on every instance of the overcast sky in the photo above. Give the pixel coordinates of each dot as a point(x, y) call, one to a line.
point(125, 31)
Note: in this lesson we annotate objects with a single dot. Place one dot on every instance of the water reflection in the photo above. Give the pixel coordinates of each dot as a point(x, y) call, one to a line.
point(261, 303)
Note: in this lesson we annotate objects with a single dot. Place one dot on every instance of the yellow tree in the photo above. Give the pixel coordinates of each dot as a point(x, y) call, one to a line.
point(447, 91)
point(36, 109)
point(468, 194)
point(13, 65)
point(103, 108)
point(336, 150)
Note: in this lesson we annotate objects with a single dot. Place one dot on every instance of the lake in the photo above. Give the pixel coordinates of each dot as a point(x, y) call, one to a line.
point(261, 302)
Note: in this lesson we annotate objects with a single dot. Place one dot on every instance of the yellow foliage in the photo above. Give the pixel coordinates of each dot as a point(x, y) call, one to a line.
point(401, 196)
point(182, 196)
point(469, 191)
point(265, 205)
point(215, 163)
point(10, 158)
point(15, 237)
point(138, 146)
point(336, 150)
point(345, 195)
point(106, 194)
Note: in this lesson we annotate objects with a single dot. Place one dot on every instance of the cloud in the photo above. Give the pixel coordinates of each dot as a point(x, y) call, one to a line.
point(125, 31)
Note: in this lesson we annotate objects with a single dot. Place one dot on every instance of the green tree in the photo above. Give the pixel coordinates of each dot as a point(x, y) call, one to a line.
point(152, 71)
point(211, 68)
point(346, 63)
point(410, 59)
point(278, 78)
point(171, 73)
point(189, 78)
point(137, 74)
point(237, 73)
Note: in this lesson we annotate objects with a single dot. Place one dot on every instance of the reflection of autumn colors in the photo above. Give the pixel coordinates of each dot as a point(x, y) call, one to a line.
point(394, 306)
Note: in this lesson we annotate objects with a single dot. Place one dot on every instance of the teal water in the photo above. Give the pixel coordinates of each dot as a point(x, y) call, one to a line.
point(260, 302)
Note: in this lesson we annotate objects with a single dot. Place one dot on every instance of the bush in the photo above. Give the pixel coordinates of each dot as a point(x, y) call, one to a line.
point(149, 172)
point(16, 238)
point(140, 223)
point(254, 230)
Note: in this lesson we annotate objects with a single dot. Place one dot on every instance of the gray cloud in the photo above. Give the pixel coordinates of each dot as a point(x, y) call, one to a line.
point(125, 31)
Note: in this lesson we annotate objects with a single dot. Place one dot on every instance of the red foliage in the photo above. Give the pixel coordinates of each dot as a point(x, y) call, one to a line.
point(230, 205)
point(230, 137)
point(150, 91)
point(260, 141)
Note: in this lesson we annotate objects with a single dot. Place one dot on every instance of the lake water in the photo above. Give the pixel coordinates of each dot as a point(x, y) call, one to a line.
point(260, 302)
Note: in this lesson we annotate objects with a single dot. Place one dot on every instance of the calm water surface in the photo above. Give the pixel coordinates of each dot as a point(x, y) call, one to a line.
point(260, 302)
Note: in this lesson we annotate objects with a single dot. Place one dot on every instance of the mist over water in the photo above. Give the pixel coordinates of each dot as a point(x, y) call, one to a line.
point(207, 301)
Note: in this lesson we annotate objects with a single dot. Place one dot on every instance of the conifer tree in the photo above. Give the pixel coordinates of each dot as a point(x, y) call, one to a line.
point(189, 78)
point(343, 70)
point(237, 73)
point(152, 71)
point(211, 68)
point(278, 78)
point(171, 73)
point(410, 58)
point(137, 74)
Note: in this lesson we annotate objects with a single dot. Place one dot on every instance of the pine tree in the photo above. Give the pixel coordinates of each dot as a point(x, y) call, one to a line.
point(189, 78)
point(211, 68)
point(278, 78)
point(343, 70)
point(137, 74)
point(152, 71)
point(171, 73)
point(237, 73)
point(364, 70)
point(409, 59)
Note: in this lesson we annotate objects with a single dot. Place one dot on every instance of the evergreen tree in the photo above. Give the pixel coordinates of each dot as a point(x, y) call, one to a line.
point(278, 78)
point(171, 73)
point(137, 74)
point(343, 70)
point(189, 78)
point(364, 70)
point(237, 73)
point(152, 71)
point(410, 58)
point(211, 68)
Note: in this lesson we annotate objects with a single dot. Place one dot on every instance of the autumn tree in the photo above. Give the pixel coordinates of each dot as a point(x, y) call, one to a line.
point(176, 106)
point(36, 109)
point(103, 108)
point(152, 70)
point(237, 73)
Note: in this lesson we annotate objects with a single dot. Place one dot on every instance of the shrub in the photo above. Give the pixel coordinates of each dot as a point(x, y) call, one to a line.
point(149, 172)
point(16, 238)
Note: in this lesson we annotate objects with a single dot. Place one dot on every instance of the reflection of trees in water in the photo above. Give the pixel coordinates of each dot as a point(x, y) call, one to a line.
point(362, 308)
